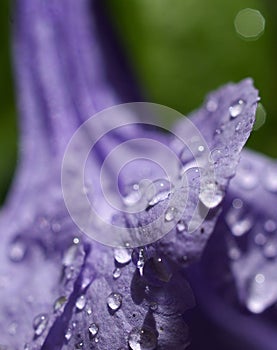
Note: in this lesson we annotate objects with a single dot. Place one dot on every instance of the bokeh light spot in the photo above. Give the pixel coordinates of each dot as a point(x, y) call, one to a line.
point(249, 24)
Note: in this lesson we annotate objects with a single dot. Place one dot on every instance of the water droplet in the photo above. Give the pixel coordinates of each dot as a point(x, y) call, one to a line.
point(93, 330)
point(59, 303)
point(40, 323)
point(88, 310)
point(210, 194)
point(211, 105)
point(238, 126)
point(116, 273)
point(68, 334)
point(122, 255)
point(69, 272)
point(141, 261)
point(142, 339)
point(158, 191)
point(70, 253)
point(79, 345)
point(114, 301)
point(237, 203)
point(81, 302)
point(236, 109)
point(170, 214)
point(12, 328)
point(270, 226)
point(181, 226)
point(17, 250)
point(133, 196)
point(26, 347)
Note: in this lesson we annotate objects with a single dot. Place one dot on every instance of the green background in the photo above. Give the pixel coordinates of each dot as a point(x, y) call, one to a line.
point(180, 50)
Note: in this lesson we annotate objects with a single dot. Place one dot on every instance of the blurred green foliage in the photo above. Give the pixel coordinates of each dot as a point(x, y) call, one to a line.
point(180, 50)
point(183, 49)
point(8, 129)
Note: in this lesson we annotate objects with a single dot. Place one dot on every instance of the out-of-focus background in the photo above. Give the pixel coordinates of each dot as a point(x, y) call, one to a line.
point(180, 50)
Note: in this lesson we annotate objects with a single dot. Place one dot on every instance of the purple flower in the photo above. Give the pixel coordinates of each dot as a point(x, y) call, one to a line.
point(59, 288)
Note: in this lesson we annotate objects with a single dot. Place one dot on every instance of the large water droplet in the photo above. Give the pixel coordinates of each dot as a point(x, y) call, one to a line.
point(59, 303)
point(122, 255)
point(114, 301)
point(158, 191)
point(93, 330)
point(40, 323)
point(142, 339)
point(81, 302)
point(210, 194)
point(236, 109)
point(170, 214)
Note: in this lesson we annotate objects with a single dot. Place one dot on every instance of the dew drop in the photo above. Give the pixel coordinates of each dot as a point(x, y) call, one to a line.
point(238, 126)
point(93, 330)
point(141, 261)
point(211, 105)
point(17, 250)
point(26, 347)
point(116, 273)
point(40, 323)
point(236, 109)
point(114, 301)
point(158, 191)
point(59, 303)
point(181, 226)
point(122, 255)
point(142, 339)
point(237, 203)
point(88, 310)
point(79, 345)
point(68, 334)
point(170, 214)
point(70, 253)
point(210, 194)
point(133, 196)
point(81, 303)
